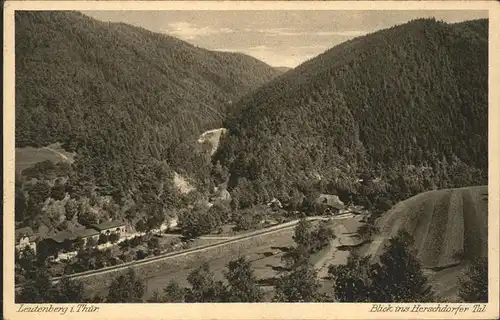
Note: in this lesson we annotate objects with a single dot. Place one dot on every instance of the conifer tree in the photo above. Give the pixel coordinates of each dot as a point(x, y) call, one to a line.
point(473, 286)
point(399, 276)
point(204, 288)
point(299, 285)
point(242, 282)
point(127, 288)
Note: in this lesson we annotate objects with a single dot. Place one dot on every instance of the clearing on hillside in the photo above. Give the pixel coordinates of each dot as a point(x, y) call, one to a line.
point(450, 228)
point(28, 156)
point(448, 225)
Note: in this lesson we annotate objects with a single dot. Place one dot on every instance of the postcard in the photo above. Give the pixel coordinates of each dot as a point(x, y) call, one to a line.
point(251, 160)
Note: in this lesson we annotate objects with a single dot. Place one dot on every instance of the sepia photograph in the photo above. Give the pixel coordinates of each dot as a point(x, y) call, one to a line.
point(266, 156)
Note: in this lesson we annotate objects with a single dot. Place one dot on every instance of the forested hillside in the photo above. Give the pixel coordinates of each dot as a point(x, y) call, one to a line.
point(130, 103)
point(404, 109)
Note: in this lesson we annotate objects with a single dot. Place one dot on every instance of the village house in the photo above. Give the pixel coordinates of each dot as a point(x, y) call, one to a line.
point(275, 204)
point(87, 235)
point(220, 196)
point(67, 239)
point(169, 224)
point(61, 241)
point(109, 227)
point(25, 238)
point(328, 204)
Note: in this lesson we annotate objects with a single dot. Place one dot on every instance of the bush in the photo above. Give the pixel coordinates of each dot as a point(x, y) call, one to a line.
point(141, 254)
point(102, 238)
point(473, 286)
point(114, 237)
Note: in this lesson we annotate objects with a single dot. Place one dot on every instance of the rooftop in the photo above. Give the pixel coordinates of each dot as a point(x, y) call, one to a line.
point(109, 225)
point(63, 235)
point(83, 233)
point(330, 200)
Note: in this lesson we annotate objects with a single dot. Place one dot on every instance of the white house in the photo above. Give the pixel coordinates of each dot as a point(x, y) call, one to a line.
point(25, 238)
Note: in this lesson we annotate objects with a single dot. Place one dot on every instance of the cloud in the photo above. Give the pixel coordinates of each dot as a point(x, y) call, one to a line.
point(289, 32)
point(291, 57)
point(276, 32)
point(351, 33)
point(189, 31)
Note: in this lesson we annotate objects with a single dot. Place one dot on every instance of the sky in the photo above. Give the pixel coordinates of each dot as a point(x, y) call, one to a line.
point(277, 37)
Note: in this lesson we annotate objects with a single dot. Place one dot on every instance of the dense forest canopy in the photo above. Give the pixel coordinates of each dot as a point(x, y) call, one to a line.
point(129, 102)
point(406, 107)
point(119, 95)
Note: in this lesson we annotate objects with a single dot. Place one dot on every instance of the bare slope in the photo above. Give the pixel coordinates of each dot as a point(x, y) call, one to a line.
point(448, 225)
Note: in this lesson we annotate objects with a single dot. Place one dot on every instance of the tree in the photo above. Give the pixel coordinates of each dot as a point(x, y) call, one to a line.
point(351, 281)
point(71, 208)
point(367, 230)
point(220, 174)
point(39, 192)
point(58, 191)
point(69, 291)
point(203, 286)
point(37, 287)
point(21, 204)
point(173, 292)
point(103, 238)
point(299, 285)
point(140, 226)
point(155, 297)
point(155, 218)
point(303, 235)
point(80, 243)
point(91, 242)
point(86, 218)
point(114, 237)
point(473, 286)
point(197, 222)
point(242, 282)
point(126, 288)
point(295, 256)
point(154, 245)
point(399, 277)
point(244, 222)
point(322, 236)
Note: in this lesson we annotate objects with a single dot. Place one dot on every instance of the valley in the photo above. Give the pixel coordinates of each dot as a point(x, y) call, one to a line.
point(167, 172)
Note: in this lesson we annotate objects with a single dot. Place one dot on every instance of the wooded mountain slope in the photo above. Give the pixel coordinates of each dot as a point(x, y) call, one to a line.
point(448, 225)
point(407, 105)
point(119, 95)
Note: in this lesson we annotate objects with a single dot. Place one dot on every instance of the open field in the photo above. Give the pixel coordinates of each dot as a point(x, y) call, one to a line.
point(28, 156)
point(265, 263)
point(264, 252)
point(447, 225)
point(450, 227)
